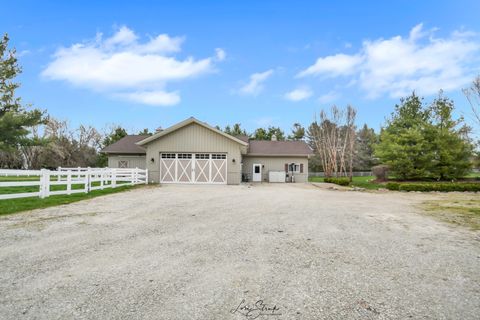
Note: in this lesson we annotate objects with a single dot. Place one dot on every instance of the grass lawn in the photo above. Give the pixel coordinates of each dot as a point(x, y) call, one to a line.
point(360, 182)
point(457, 209)
point(16, 205)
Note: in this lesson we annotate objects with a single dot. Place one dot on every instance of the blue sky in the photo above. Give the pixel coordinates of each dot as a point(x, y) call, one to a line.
point(260, 63)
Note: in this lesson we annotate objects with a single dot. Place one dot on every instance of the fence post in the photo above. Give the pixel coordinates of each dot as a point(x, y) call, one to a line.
point(59, 169)
point(45, 183)
point(114, 178)
point(102, 176)
point(135, 176)
point(146, 176)
point(87, 181)
point(69, 182)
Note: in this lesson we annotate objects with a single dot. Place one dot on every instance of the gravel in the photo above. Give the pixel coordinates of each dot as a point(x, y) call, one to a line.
point(199, 252)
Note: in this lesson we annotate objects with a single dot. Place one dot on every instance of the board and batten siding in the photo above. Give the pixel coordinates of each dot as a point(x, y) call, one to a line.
point(137, 161)
point(275, 163)
point(195, 138)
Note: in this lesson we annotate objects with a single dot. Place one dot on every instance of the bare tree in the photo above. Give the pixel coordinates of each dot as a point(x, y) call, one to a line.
point(473, 95)
point(334, 139)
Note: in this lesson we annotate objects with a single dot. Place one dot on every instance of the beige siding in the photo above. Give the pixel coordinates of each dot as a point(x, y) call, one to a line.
point(133, 161)
point(195, 138)
point(275, 164)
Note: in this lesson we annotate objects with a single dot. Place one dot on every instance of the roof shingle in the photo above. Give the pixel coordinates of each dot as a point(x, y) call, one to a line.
point(273, 148)
point(126, 145)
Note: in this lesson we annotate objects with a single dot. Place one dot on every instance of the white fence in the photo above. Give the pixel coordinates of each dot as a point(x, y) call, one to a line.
point(73, 180)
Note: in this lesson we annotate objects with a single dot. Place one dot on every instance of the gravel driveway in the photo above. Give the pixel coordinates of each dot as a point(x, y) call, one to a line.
point(211, 252)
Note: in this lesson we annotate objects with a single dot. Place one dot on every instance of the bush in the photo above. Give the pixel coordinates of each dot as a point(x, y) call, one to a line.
point(440, 186)
point(393, 186)
point(380, 172)
point(339, 181)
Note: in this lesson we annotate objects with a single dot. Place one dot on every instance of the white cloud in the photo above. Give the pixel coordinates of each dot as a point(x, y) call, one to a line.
point(398, 65)
point(255, 85)
point(153, 98)
point(122, 66)
point(299, 94)
point(221, 54)
point(328, 97)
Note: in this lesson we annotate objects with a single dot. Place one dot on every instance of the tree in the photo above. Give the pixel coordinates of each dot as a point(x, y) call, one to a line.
point(473, 95)
point(145, 132)
point(115, 134)
point(260, 134)
point(298, 132)
point(15, 120)
point(450, 143)
point(424, 141)
point(334, 139)
point(238, 131)
point(279, 134)
point(364, 149)
point(403, 145)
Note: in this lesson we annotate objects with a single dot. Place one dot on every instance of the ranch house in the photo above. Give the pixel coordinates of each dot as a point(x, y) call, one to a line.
point(194, 152)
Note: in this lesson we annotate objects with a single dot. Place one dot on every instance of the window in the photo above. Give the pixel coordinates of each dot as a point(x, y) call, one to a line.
point(202, 156)
point(184, 156)
point(168, 155)
point(123, 164)
point(219, 156)
point(257, 169)
point(294, 167)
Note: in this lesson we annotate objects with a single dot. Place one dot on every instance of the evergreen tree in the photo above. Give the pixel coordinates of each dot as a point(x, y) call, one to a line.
point(364, 150)
point(452, 149)
point(403, 145)
point(425, 142)
point(15, 119)
point(298, 132)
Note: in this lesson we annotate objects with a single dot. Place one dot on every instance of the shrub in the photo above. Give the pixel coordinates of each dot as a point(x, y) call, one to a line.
point(393, 186)
point(437, 186)
point(339, 181)
point(380, 172)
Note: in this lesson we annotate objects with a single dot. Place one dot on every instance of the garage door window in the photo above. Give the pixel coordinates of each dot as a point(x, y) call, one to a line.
point(219, 156)
point(184, 156)
point(168, 155)
point(202, 156)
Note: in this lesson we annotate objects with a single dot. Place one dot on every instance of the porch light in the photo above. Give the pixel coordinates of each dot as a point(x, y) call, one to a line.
point(233, 160)
point(152, 160)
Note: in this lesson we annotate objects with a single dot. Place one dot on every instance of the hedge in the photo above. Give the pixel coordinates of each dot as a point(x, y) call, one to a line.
point(434, 186)
point(339, 181)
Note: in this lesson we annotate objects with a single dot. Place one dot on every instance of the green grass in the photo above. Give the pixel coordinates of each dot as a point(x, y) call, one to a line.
point(368, 181)
point(360, 182)
point(10, 206)
point(456, 210)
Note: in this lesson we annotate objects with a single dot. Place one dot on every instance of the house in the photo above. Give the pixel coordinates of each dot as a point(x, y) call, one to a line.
point(195, 152)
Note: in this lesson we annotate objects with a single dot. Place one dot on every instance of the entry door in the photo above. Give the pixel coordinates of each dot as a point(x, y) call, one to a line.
point(257, 172)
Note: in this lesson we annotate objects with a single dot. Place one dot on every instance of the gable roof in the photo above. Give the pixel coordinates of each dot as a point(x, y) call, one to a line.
point(126, 145)
point(186, 123)
point(278, 148)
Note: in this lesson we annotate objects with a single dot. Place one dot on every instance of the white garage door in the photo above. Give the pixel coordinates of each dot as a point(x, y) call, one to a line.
point(207, 168)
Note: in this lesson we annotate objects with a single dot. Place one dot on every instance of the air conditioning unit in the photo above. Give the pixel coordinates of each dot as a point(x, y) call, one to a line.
point(276, 176)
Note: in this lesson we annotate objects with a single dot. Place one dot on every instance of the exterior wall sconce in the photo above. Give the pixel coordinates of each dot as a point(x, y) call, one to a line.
point(152, 160)
point(233, 160)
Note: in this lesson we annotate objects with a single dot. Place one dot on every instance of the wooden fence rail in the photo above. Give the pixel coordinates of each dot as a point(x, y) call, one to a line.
point(73, 181)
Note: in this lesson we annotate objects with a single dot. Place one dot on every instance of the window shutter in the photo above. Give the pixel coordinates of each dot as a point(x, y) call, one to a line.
point(286, 167)
point(301, 167)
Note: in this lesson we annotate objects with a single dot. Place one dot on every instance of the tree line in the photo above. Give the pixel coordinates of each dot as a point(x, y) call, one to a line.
point(419, 140)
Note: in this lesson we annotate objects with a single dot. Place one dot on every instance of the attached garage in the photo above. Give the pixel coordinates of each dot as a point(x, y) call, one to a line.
point(195, 153)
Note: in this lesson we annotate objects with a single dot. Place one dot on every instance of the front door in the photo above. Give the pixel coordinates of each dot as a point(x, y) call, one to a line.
point(257, 173)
